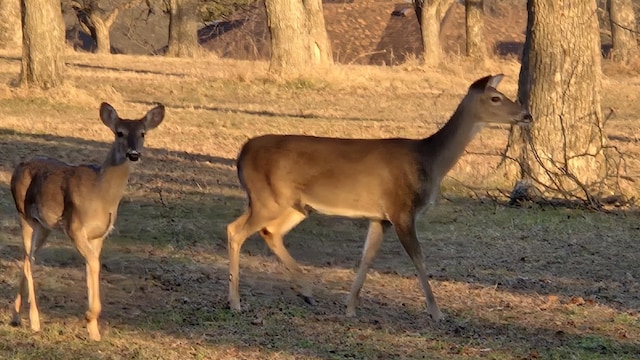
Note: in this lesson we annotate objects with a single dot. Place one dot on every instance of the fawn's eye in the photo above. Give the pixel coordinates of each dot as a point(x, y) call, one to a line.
point(119, 133)
point(495, 99)
point(142, 134)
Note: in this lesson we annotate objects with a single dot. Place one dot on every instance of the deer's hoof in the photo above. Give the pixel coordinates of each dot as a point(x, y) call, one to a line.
point(437, 316)
point(309, 300)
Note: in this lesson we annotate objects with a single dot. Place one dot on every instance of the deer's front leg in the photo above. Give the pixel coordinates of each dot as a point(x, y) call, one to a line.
point(90, 250)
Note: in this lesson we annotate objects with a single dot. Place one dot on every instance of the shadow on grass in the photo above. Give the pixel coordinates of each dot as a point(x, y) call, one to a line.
point(182, 300)
point(264, 113)
point(170, 167)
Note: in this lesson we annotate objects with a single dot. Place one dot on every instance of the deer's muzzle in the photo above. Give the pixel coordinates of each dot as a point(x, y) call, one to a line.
point(133, 155)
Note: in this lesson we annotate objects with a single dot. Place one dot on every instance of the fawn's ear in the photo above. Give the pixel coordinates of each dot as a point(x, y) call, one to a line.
point(494, 81)
point(109, 116)
point(154, 117)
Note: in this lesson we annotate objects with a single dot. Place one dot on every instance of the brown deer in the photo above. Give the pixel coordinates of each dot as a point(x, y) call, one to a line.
point(81, 200)
point(387, 181)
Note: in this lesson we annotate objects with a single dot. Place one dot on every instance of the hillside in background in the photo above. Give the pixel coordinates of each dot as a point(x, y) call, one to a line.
point(371, 32)
point(375, 32)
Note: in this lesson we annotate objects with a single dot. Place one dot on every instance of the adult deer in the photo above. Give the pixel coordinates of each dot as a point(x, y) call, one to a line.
point(81, 200)
point(387, 181)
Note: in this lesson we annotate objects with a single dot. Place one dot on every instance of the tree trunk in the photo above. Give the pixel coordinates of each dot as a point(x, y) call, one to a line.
point(430, 13)
point(474, 23)
point(320, 44)
point(623, 30)
point(42, 43)
point(298, 35)
point(101, 30)
point(10, 29)
point(563, 151)
point(97, 21)
point(183, 29)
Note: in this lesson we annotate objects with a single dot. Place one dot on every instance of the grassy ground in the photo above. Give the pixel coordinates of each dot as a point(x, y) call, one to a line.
point(514, 283)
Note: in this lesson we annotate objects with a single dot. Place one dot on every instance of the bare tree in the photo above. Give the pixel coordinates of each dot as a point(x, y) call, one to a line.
point(430, 14)
point(42, 43)
point(97, 17)
point(10, 29)
point(183, 28)
point(298, 35)
point(563, 153)
point(474, 21)
point(623, 30)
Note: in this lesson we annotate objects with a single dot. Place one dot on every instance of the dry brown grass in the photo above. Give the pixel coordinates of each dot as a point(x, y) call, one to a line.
point(513, 283)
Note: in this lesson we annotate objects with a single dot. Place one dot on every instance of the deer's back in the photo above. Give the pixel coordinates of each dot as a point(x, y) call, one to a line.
point(348, 177)
point(45, 188)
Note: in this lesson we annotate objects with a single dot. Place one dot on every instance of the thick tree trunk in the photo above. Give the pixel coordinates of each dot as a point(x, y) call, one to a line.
point(320, 44)
point(298, 35)
point(10, 28)
point(623, 30)
point(183, 29)
point(430, 15)
point(42, 43)
point(97, 21)
point(562, 153)
point(101, 30)
point(474, 21)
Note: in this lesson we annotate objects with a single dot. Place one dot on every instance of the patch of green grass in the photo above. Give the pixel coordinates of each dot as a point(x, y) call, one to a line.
point(304, 84)
point(594, 347)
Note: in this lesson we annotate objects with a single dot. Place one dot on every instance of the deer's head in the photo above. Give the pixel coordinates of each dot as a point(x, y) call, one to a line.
point(491, 106)
point(129, 134)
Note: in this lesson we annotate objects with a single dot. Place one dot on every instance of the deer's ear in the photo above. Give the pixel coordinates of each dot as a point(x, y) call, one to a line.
point(109, 116)
point(154, 117)
point(494, 81)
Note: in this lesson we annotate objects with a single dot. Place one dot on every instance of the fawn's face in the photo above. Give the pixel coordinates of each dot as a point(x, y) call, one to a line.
point(129, 134)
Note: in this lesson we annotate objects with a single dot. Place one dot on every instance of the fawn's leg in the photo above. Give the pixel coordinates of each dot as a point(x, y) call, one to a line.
point(90, 250)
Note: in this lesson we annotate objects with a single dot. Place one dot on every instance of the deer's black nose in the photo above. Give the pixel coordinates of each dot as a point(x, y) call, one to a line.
point(133, 155)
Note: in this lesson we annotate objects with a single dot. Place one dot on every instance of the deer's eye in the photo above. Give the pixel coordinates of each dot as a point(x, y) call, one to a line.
point(142, 134)
point(495, 99)
point(119, 133)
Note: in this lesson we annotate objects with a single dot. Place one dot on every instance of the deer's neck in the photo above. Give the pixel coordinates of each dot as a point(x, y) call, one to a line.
point(113, 177)
point(444, 148)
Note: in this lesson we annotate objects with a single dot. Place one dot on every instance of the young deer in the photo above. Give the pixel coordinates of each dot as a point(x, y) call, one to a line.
point(387, 181)
point(81, 200)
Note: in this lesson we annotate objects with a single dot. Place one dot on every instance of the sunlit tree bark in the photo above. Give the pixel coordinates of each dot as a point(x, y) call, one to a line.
point(97, 17)
point(623, 30)
point(474, 21)
point(10, 27)
point(298, 35)
point(183, 28)
point(430, 14)
point(42, 43)
point(560, 80)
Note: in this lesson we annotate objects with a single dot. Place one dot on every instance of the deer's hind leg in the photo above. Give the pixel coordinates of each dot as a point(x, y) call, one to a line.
point(34, 236)
point(273, 234)
point(371, 246)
